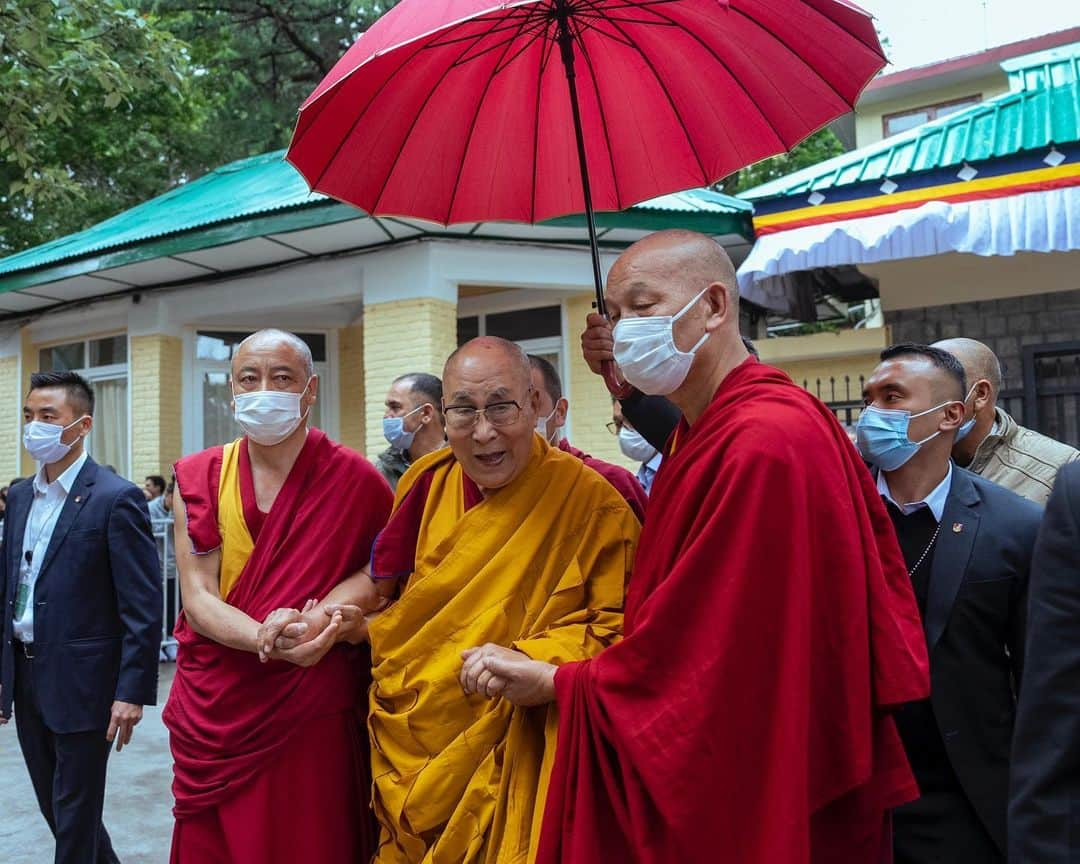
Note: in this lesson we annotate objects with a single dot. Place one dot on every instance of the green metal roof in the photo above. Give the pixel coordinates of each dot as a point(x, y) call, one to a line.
point(1000, 127)
point(264, 194)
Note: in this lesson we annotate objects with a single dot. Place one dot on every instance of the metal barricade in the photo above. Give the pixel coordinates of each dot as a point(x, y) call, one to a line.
point(163, 536)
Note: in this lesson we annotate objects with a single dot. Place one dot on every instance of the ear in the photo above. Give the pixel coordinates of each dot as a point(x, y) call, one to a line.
point(562, 407)
point(719, 306)
point(984, 395)
point(952, 416)
point(313, 389)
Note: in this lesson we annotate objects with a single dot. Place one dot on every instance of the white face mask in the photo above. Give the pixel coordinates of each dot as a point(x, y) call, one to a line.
point(541, 426)
point(646, 352)
point(42, 441)
point(634, 446)
point(268, 417)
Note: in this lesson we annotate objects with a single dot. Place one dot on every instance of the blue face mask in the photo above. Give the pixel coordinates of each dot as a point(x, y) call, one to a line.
point(967, 425)
point(882, 435)
point(393, 430)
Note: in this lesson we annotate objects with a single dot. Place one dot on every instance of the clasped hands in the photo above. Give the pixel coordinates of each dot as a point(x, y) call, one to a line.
point(305, 636)
point(493, 671)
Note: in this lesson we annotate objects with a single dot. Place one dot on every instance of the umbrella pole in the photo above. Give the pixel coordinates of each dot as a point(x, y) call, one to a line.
point(566, 45)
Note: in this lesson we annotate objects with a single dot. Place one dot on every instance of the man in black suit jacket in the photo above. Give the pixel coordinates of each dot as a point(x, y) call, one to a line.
point(1044, 812)
point(968, 544)
point(81, 623)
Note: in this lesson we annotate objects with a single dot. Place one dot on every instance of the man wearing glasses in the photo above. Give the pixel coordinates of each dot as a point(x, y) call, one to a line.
point(499, 541)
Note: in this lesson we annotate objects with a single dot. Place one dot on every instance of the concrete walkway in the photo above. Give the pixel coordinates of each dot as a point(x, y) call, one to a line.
point(138, 801)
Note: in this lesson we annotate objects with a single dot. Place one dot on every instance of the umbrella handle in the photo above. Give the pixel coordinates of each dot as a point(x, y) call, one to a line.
point(618, 389)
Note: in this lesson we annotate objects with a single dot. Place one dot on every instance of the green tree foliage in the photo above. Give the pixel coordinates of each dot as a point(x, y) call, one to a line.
point(820, 146)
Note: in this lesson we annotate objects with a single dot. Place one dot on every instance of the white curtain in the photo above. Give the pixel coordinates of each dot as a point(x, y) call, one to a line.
point(108, 442)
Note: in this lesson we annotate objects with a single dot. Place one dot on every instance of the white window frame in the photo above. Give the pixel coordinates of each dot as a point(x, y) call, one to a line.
point(195, 367)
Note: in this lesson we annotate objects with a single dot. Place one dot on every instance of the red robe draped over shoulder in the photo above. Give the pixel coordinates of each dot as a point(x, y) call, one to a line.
point(625, 483)
point(256, 746)
point(770, 626)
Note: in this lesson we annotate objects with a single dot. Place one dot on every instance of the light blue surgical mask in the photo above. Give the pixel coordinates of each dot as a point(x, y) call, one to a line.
point(882, 435)
point(394, 431)
point(967, 425)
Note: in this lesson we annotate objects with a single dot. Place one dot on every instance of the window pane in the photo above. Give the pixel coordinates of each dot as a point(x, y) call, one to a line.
point(222, 344)
point(106, 352)
point(467, 328)
point(903, 122)
point(63, 358)
point(946, 110)
point(108, 442)
point(525, 324)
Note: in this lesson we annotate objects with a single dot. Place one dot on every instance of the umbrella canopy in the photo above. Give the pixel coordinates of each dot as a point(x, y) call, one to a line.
point(458, 110)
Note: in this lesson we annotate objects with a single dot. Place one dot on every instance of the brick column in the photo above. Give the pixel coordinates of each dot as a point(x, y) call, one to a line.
point(11, 396)
point(401, 336)
point(351, 387)
point(154, 369)
point(29, 363)
point(590, 402)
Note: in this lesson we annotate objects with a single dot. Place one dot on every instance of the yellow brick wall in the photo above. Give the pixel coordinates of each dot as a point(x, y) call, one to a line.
point(10, 440)
point(155, 364)
point(27, 367)
point(351, 387)
point(590, 402)
point(402, 336)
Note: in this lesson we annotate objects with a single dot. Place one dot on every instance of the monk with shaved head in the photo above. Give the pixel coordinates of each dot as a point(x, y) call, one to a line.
point(273, 532)
point(770, 625)
point(990, 442)
point(499, 545)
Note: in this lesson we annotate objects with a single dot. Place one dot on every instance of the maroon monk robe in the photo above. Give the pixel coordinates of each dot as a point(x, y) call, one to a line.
point(272, 758)
point(770, 625)
point(625, 483)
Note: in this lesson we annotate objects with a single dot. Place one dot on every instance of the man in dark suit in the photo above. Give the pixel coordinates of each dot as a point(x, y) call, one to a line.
point(968, 545)
point(81, 629)
point(1044, 812)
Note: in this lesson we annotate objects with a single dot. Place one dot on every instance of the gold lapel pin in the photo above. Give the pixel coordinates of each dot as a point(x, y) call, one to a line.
point(957, 527)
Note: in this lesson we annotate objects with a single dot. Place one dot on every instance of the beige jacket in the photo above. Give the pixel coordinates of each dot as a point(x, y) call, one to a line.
point(1021, 459)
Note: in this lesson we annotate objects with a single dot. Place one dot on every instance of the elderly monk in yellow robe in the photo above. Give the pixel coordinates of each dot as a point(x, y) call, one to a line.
point(499, 538)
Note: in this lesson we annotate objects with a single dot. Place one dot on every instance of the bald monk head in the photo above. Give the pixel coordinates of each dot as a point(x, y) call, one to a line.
point(490, 407)
point(983, 372)
point(674, 272)
point(273, 361)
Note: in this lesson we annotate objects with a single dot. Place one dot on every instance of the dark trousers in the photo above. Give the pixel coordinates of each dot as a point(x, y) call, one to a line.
point(942, 828)
point(68, 773)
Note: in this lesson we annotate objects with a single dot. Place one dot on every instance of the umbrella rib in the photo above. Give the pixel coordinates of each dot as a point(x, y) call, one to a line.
point(506, 63)
point(545, 56)
point(603, 116)
point(667, 95)
point(412, 126)
point(494, 47)
point(472, 130)
point(509, 20)
point(734, 77)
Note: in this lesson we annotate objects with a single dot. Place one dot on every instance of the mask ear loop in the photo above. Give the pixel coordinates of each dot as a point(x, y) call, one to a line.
point(686, 309)
point(930, 411)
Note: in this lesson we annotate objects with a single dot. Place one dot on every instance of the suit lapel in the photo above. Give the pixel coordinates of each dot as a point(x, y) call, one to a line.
point(18, 511)
point(959, 527)
point(76, 500)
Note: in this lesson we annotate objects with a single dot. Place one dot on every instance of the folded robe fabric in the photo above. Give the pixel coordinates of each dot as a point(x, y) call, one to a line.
point(540, 566)
point(770, 626)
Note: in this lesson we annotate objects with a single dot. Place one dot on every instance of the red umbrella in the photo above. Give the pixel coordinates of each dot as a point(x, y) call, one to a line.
point(459, 110)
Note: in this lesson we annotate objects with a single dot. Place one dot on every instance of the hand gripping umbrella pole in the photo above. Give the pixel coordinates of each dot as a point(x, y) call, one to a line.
point(565, 38)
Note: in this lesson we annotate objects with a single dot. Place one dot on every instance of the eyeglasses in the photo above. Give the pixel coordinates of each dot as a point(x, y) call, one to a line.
point(464, 417)
point(614, 427)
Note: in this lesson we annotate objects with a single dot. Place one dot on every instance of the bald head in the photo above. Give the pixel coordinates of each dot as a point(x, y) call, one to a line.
point(271, 341)
point(979, 362)
point(685, 260)
point(489, 352)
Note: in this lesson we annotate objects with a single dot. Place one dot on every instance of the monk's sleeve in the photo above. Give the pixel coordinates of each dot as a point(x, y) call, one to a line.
point(599, 570)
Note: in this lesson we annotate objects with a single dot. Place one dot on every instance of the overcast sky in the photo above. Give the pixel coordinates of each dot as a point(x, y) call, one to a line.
point(923, 31)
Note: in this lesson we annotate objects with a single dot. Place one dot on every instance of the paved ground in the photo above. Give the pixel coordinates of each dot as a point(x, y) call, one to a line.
point(138, 803)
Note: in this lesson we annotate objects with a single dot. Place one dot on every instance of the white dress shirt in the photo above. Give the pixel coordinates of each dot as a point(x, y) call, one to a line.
point(49, 499)
point(935, 501)
point(647, 472)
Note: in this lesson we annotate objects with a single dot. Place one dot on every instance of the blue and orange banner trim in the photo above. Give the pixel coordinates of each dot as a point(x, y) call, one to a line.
point(995, 179)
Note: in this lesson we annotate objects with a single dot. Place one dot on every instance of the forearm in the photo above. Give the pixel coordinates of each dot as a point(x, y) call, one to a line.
point(357, 590)
point(213, 618)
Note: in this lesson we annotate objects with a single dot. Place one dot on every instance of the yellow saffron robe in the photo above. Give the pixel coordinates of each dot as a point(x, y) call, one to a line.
point(541, 566)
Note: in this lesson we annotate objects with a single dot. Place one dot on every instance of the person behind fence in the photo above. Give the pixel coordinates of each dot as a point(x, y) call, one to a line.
point(990, 442)
point(770, 625)
point(81, 592)
point(967, 544)
point(271, 530)
point(554, 407)
point(154, 490)
point(412, 424)
point(501, 539)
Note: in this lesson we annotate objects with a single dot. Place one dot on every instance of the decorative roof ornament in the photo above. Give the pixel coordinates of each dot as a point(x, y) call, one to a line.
point(967, 173)
point(888, 187)
point(815, 199)
point(1054, 158)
